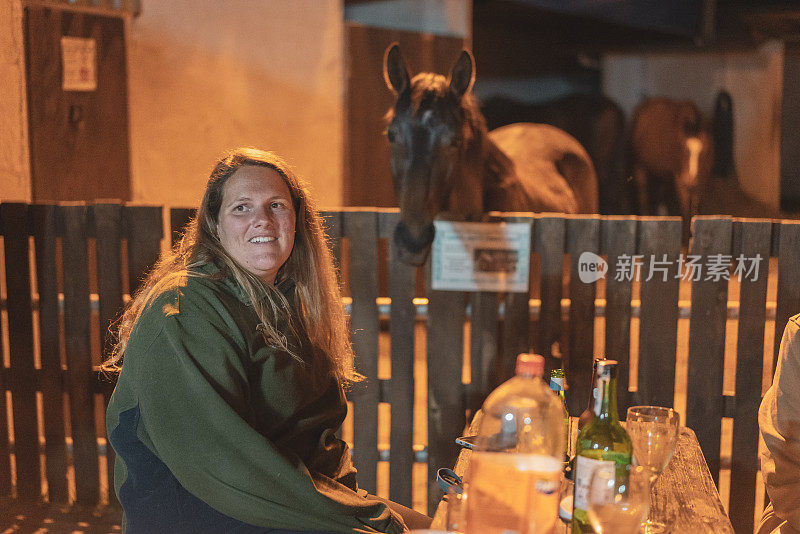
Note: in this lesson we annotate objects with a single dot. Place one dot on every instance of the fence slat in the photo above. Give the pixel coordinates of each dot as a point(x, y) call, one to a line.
point(712, 238)
point(751, 239)
point(517, 320)
point(618, 240)
point(362, 229)
point(333, 229)
point(108, 229)
point(446, 409)
point(79, 365)
point(45, 226)
point(484, 375)
point(659, 240)
point(583, 236)
point(548, 243)
point(143, 227)
point(178, 219)
point(401, 328)
point(788, 273)
point(20, 340)
point(5, 383)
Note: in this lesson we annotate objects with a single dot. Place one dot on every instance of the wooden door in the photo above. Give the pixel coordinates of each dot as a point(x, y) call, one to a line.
point(77, 105)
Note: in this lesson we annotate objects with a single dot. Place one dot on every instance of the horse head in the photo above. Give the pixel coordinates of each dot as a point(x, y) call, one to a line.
point(672, 153)
point(432, 125)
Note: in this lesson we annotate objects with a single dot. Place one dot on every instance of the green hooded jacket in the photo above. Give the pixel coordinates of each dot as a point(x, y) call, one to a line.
point(211, 422)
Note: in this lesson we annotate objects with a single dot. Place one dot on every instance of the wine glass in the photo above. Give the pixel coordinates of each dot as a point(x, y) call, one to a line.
point(654, 433)
point(618, 499)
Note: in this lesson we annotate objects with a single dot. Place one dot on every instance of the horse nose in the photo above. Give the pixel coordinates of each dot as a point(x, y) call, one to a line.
point(411, 249)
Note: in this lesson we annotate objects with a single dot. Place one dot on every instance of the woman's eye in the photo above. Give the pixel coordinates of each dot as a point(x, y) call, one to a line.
point(240, 207)
point(278, 205)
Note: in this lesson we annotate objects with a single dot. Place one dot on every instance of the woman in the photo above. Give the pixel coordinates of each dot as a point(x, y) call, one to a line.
point(236, 356)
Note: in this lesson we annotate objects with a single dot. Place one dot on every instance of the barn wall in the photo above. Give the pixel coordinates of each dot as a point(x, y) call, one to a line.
point(203, 78)
point(208, 75)
point(754, 80)
point(15, 177)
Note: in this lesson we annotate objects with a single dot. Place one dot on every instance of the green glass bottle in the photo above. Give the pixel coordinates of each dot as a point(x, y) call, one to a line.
point(601, 442)
point(557, 385)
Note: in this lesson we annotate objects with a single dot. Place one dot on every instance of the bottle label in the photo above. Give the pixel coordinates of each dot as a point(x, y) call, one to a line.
point(557, 383)
point(584, 469)
point(512, 493)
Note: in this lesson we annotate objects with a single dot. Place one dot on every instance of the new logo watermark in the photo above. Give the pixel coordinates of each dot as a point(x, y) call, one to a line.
point(693, 267)
point(591, 267)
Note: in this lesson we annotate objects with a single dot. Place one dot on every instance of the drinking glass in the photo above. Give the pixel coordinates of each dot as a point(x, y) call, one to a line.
point(618, 500)
point(654, 433)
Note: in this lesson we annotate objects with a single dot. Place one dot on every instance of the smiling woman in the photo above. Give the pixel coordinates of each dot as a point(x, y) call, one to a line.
point(236, 358)
point(256, 220)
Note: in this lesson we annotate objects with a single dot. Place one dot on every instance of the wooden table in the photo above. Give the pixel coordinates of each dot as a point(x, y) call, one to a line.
point(685, 486)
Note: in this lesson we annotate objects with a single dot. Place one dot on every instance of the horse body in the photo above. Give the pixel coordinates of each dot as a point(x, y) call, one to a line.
point(445, 163)
point(551, 168)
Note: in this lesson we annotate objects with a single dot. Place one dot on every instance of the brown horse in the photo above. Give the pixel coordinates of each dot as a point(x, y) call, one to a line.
point(445, 162)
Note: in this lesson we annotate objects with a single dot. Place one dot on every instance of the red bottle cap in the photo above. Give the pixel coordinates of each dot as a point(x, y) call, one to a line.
point(530, 364)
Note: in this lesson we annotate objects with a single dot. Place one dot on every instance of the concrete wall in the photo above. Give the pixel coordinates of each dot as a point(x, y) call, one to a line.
point(15, 181)
point(754, 80)
point(206, 75)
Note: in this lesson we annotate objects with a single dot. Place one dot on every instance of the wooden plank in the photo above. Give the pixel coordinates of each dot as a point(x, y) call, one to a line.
point(333, 229)
point(711, 243)
point(751, 241)
point(179, 218)
point(484, 335)
point(788, 273)
point(659, 244)
point(5, 449)
point(618, 241)
point(77, 333)
point(446, 407)
point(361, 229)
point(516, 320)
point(549, 244)
point(108, 229)
point(401, 329)
point(583, 246)
point(20, 339)
point(45, 228)
point(143, 227)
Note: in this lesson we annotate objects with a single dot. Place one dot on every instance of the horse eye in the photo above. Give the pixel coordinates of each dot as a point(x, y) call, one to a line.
point(391, 134)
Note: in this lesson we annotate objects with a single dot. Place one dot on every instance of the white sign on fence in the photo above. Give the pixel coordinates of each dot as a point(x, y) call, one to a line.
point(468, 256)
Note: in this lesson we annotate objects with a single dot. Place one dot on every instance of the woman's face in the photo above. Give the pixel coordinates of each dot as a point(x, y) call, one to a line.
point(256, 220)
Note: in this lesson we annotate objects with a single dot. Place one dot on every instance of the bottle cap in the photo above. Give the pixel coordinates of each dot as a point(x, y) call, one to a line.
point(606, 368)
point(530, 364)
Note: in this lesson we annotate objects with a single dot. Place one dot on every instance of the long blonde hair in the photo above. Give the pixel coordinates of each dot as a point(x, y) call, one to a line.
point(318, 307)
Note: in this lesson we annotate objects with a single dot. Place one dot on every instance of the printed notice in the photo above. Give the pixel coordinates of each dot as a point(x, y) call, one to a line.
point(79, 62)
point(468, 256)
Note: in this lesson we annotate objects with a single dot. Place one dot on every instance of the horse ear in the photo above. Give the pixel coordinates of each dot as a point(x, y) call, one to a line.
point(394, 69)
point(463, 74)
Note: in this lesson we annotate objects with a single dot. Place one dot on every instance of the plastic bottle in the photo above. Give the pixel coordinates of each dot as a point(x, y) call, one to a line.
point(515, 472)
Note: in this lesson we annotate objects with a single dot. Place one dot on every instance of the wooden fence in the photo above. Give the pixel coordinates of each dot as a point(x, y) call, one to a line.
point(68, 269)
